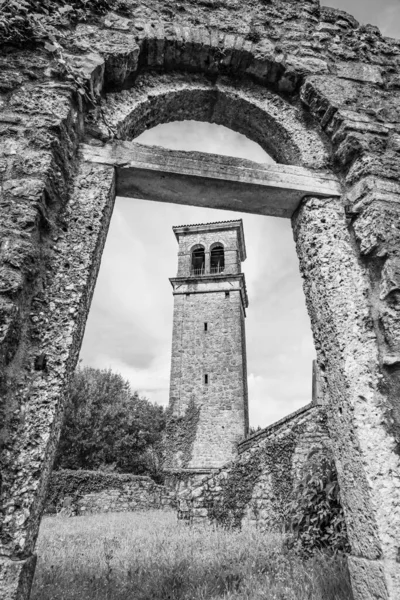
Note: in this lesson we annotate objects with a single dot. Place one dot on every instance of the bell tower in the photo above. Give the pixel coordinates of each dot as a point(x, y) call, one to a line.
point(208, 404)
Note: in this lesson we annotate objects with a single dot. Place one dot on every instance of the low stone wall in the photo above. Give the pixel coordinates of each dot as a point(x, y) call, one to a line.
point(88, 492)
point(178, 481)
point(257, 487)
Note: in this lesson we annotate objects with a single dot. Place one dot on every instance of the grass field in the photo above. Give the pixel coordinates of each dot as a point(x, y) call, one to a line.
point(152, 556)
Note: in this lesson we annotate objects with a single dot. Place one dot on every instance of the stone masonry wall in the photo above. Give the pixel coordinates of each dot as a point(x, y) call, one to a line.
point(181, 480)
point(207, 420)
point(257, 486)
point(87, 492)
point(314, 88)
point(228, 239)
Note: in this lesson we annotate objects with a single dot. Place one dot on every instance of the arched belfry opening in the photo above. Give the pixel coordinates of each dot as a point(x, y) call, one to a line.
point(198, 264)
point(217, 259)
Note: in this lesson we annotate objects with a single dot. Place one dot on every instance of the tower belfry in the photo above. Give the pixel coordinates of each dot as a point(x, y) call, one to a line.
point(208, 405)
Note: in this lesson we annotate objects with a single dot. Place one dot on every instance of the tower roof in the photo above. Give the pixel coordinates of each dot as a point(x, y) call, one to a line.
point(215, 226)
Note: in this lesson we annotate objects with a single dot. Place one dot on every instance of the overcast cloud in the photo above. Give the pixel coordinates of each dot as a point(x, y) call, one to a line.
point(130, 324)
point(384, 13)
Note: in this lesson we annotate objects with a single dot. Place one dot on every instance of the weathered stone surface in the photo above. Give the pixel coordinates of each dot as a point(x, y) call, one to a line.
point(282, 130)
point(223, 65)
point(92, 492)
point(360, 72)
point(16, 577)
point(30, 429)
point(364, 447)
point(208, 180)
point(91, 66)
point(256, 486)
point(368, 578)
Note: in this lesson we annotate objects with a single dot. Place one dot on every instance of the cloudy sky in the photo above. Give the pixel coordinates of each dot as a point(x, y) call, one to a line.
point(130, 324)
point(384, 13)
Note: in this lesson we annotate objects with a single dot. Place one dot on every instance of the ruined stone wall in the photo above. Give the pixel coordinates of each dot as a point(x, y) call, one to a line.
point(313, 88)
point(257, 487)
point(88, 492)
point(183, 480)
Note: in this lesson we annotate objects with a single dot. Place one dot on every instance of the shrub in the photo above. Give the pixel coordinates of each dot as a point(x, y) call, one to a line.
point(316, 515)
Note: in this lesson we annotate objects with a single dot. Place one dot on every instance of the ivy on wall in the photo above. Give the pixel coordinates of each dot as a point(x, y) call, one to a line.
point(305, 504)
point(181, 433)
point(228, 508)
point(75, 484)
point(316, 518)
point(275, 456)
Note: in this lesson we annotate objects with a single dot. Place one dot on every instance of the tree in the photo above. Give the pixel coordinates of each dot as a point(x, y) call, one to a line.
point(106, 426)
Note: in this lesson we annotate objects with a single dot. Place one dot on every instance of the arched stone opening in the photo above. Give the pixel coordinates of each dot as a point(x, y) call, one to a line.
point(78, 248)
point(217, 259)
point(198, 262)
point(129, 113)
point(352, 299)
point(284, 131)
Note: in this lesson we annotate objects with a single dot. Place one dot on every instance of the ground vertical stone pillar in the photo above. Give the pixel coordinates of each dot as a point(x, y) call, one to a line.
point(339, 297)
point(34, 410)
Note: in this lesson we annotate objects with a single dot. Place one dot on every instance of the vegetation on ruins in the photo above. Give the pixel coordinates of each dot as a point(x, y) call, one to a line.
point(229, 507)
point(316, 514)
point(151, 556)
point(107, 426)
point(180, 433)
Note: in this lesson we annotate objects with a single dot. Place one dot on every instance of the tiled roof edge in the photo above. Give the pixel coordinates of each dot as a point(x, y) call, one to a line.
point(201, 224)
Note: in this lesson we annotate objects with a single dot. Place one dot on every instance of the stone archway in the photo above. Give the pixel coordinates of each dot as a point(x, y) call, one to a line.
point(322, 112)
point(280, 128)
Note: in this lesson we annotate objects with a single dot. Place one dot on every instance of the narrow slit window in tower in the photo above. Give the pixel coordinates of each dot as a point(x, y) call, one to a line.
point(206, 379)
point(198, 261)
point(205, 326)
point(217, 260)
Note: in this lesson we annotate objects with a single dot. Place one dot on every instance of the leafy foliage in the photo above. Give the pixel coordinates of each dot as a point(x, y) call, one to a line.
point(254, 430)
point(181, 433)
point(67, 487)
point(317, 519)
point(24, 21)
point(108, 427)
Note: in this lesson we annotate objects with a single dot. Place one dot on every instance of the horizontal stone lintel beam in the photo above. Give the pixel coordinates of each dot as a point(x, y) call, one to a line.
point(210, 180)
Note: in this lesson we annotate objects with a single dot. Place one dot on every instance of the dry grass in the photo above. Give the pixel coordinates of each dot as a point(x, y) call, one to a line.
point(151, 556)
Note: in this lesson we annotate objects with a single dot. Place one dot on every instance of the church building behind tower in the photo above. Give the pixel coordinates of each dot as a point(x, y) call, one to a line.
point(208, 405)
